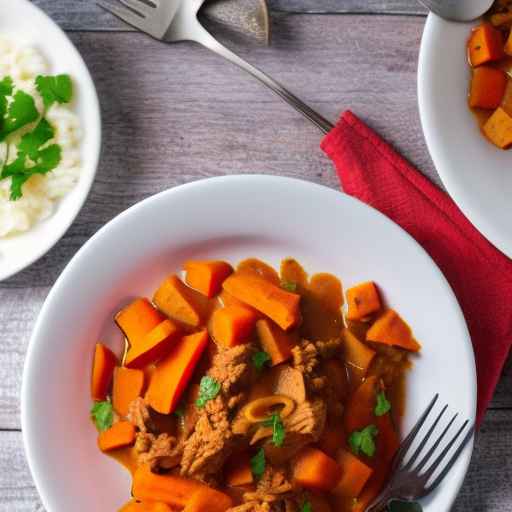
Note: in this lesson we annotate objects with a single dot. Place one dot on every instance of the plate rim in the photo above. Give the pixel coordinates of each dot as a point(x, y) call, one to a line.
point(27, 385)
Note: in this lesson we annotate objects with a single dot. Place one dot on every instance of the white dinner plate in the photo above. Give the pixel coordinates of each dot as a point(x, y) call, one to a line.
point(476, 174)
point(230, 218)
point(23, 21)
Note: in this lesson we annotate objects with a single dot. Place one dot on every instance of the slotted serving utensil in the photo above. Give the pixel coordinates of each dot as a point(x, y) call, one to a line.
point(410, 480)
point(172, 21)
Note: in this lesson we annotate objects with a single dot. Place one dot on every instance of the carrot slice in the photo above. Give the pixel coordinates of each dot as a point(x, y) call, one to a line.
point(154, 346)
point(208, 500)
point(171, 489)
point(358, 355)
point(102, 369)
point(207, 276)
point(391, 329)
point(276, 303)
point(276, 343)
point(362, 300)
point(120, 434)
point(315, 470)
point(173, 373)
point(355, 474)
point(176, 300)
point(137, 319)
point(360, 406)
point(485, 44)
point(232, 325)
point(147, 506)
point(238, 470)
point(128, 385)
point(487, 87)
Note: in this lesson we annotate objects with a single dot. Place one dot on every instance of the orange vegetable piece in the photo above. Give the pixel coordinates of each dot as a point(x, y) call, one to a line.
point(315, 470)
point(487, 87)
point(275, 342)
point(147, 506)
point(391, 329)
point(127, 386)
point(498, 129)
point(207, 276)
point(176, 300)
point(173, 373)
point(508, 45)
point(355, 474)
point(171, 489)
point(238, 470)
point(137, 319)
point(362, 300)
point(276, 303)
point(120, 434)
point(102, 369)
point(356, 353)
point(360, 406)
point(485, 44)
point(154, 346)
point(232, 325)
point(332, 440)
point(208, 500)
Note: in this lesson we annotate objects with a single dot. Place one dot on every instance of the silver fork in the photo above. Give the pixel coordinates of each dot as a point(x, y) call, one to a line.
point(409, 480)
point(176, 20)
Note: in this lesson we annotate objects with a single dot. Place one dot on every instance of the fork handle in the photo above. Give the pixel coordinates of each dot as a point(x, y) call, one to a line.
point(202, 36)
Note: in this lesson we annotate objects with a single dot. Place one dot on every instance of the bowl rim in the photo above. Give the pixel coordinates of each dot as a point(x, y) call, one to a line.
point(96, 139)
point(27, 388)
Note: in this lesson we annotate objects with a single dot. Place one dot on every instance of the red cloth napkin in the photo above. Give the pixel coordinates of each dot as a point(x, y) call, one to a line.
point(479, 274)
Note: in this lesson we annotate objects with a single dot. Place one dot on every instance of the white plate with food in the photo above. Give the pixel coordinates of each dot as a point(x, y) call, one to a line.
point(134, 265)
point(473, 169)
point(49, 134)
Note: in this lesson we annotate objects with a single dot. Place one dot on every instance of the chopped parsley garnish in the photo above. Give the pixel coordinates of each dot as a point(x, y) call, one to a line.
point(180, 411)
point(363, 441)
point(209, 388)
point(34, 154)
point(260, 359)
point(258, 464)
point(306, 507)
point(382, 406)
point(102, 415)
point(289, 286)
point(278, 431)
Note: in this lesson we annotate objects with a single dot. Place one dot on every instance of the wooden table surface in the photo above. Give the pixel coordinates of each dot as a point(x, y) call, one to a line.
point(176, 114)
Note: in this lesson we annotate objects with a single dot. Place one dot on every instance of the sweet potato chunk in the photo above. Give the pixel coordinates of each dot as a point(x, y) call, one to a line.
point(176, 300)
point(127, 386)
point(275, 342)
point(485, 45)
point(232, 325)
point(315, 470)
point(498, 129)
point(120, 434)
point(487, 87)
point(137, 319)
point(207, 276)
point(356, 354)
point(355, 474)
point(208, 500)
point(147, 506)
point(154, 346)
point(102, 370)
point(363, 300)
point(391, 329)
point(238, 470)
point(279, 305)
point(173, 373)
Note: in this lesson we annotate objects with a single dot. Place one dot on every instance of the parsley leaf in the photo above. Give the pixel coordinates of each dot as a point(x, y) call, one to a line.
point(289, 286)
point(102, 415)
point(383, 406)
point(209, 388)
point(6, 88)
point(20, 112)
point(180, 411)
point(54, 89)
point(259, 359)
point(404, 506)
point(278, 431)
point(363, 441)
point(258, 464)
point(32, 141)
point(306, 507)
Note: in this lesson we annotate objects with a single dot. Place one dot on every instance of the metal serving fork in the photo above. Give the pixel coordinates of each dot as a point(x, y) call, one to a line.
point(408, 481)
point(176, 20)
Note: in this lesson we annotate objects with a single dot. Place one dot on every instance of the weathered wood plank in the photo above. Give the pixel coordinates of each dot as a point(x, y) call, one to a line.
point(86, 15)
point(486, 488)
point(177, 114)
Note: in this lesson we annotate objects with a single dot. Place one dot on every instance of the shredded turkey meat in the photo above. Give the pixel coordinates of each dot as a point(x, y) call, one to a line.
point(162, 451)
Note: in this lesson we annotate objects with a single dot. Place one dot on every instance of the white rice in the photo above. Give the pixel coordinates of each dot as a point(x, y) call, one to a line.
point(41, 193)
